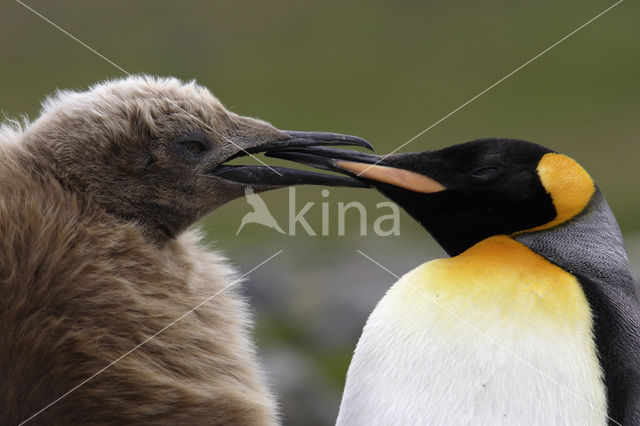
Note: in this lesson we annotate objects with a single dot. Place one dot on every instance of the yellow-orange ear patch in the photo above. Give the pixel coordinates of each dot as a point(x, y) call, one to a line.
point(398, 177)
point(569, 185)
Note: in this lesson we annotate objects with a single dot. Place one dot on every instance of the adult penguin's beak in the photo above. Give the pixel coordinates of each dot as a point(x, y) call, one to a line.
point(368, 168)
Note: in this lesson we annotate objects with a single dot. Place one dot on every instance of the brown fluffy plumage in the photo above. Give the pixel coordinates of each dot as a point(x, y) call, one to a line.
point(95, 258)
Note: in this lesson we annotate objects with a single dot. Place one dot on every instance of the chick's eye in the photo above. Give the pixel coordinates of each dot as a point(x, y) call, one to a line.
point(193, 147)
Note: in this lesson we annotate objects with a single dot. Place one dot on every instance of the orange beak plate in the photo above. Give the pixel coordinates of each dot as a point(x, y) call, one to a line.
point(397, 177)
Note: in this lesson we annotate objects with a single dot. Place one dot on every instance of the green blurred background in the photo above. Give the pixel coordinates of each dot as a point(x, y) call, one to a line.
point(382, 70)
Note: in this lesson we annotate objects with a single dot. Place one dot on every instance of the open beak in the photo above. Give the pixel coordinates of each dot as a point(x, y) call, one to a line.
point(361, 166)
point(266, 176)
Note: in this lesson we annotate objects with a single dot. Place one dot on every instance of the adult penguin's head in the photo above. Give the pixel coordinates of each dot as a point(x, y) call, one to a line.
point(471, 191)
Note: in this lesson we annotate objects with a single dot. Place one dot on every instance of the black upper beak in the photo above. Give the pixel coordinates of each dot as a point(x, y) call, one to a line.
point(282, 176)
point(308, 139)
point(323, 158)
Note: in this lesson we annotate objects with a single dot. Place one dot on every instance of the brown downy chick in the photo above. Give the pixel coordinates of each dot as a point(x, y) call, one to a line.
point(96, 197)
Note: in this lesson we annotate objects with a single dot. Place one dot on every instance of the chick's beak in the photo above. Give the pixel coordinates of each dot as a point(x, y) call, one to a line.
point(267, 176)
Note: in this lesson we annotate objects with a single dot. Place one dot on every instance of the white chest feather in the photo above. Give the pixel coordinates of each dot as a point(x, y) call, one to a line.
point(478, 339)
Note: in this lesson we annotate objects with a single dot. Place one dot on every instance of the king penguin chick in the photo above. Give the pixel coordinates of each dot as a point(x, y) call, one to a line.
point(96, 197)
point(534, 319)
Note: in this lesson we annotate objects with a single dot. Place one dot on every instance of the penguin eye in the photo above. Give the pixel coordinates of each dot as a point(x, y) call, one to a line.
point(485, 173)
point(194, 147)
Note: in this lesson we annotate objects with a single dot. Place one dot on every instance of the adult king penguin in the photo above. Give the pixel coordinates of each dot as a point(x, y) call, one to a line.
point(534, 319)
point(97, 263)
